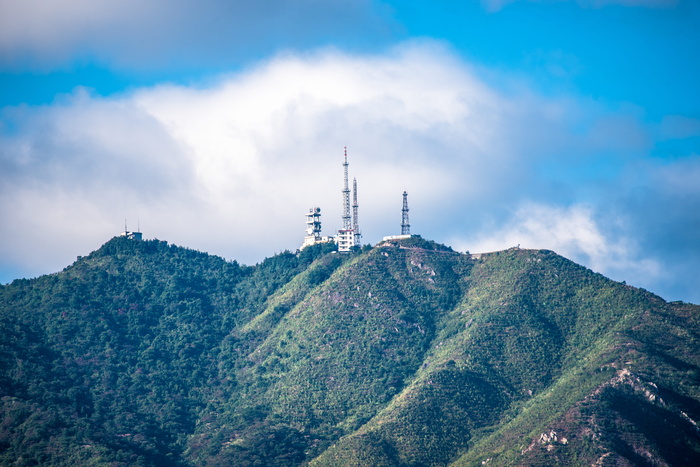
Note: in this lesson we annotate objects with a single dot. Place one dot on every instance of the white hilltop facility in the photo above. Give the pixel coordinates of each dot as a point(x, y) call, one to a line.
point(132, 235)
point(405, 225)
point(349, 235)
point(346, 238)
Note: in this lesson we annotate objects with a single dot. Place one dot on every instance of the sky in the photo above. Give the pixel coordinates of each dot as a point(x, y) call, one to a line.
point(569, 125)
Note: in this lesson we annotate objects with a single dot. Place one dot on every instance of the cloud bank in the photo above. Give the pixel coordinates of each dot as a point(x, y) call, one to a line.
point(231, 168)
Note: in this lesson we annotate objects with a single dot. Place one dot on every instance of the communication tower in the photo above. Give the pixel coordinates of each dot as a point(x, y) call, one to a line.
point(313, 222)
point(313, 228)
point(355, 218)
point(348, 235)
point(405, 226)
point(347, 225)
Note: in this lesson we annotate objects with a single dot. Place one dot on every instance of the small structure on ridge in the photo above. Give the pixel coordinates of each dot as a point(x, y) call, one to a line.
point(131, 235)
point(405, 225)
point(313, 229)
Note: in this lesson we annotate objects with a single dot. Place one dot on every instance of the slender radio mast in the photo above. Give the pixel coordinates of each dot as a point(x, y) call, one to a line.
point(405, 226)
point(355, 206)
point(347, 223)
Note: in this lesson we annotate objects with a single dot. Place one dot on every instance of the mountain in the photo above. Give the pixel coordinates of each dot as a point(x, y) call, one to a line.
point(407, 353)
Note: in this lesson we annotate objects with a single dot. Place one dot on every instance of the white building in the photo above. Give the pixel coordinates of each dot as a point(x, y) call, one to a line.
point(345, 239)
point(132, 235)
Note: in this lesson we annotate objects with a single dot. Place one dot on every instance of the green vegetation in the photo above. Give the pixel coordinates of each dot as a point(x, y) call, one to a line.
point(409, 353)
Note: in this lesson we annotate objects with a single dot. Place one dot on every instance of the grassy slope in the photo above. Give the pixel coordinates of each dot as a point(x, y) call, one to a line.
point(526, 352)
point(629, 376)
point(406, 354)
point(338, 356)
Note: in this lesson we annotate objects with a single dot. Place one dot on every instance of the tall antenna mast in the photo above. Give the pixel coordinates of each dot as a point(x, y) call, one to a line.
point(347, 224)
point(405, 226)
point(355, 220)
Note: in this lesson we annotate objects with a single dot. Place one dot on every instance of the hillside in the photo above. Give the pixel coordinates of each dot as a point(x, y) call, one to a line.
point(408, 353)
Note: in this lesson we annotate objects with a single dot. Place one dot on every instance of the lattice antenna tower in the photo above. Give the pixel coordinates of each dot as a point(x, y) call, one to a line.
point(405, 225)
point(313, 223)
point(347, 221)
point(355, 206)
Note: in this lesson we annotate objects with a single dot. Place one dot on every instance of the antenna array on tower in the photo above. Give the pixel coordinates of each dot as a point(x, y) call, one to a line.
point(355, 208)
point(349, 235)
point(347, 225)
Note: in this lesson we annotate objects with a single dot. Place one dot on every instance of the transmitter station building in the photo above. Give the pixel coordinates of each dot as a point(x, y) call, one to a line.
point(349, 235)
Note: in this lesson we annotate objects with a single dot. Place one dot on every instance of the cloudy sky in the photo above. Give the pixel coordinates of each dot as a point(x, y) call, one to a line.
point(567, 125)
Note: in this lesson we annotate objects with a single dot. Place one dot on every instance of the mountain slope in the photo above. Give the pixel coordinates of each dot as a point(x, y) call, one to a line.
point(404, 354)
point(112, 358)
point(534, 340)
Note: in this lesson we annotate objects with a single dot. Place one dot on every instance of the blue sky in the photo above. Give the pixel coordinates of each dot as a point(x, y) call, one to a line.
point(567, 125)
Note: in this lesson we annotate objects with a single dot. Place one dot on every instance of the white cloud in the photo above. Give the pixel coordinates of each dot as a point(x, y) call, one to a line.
point(572, 232)
point(231, 168)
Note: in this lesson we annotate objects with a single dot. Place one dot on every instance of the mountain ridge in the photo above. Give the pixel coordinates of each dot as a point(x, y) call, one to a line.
point(407, 353)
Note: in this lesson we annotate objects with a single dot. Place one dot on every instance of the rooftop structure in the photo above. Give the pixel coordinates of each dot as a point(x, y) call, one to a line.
point(395, 237)
point(131, 235)
point(313, 222)
point(313, 229)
